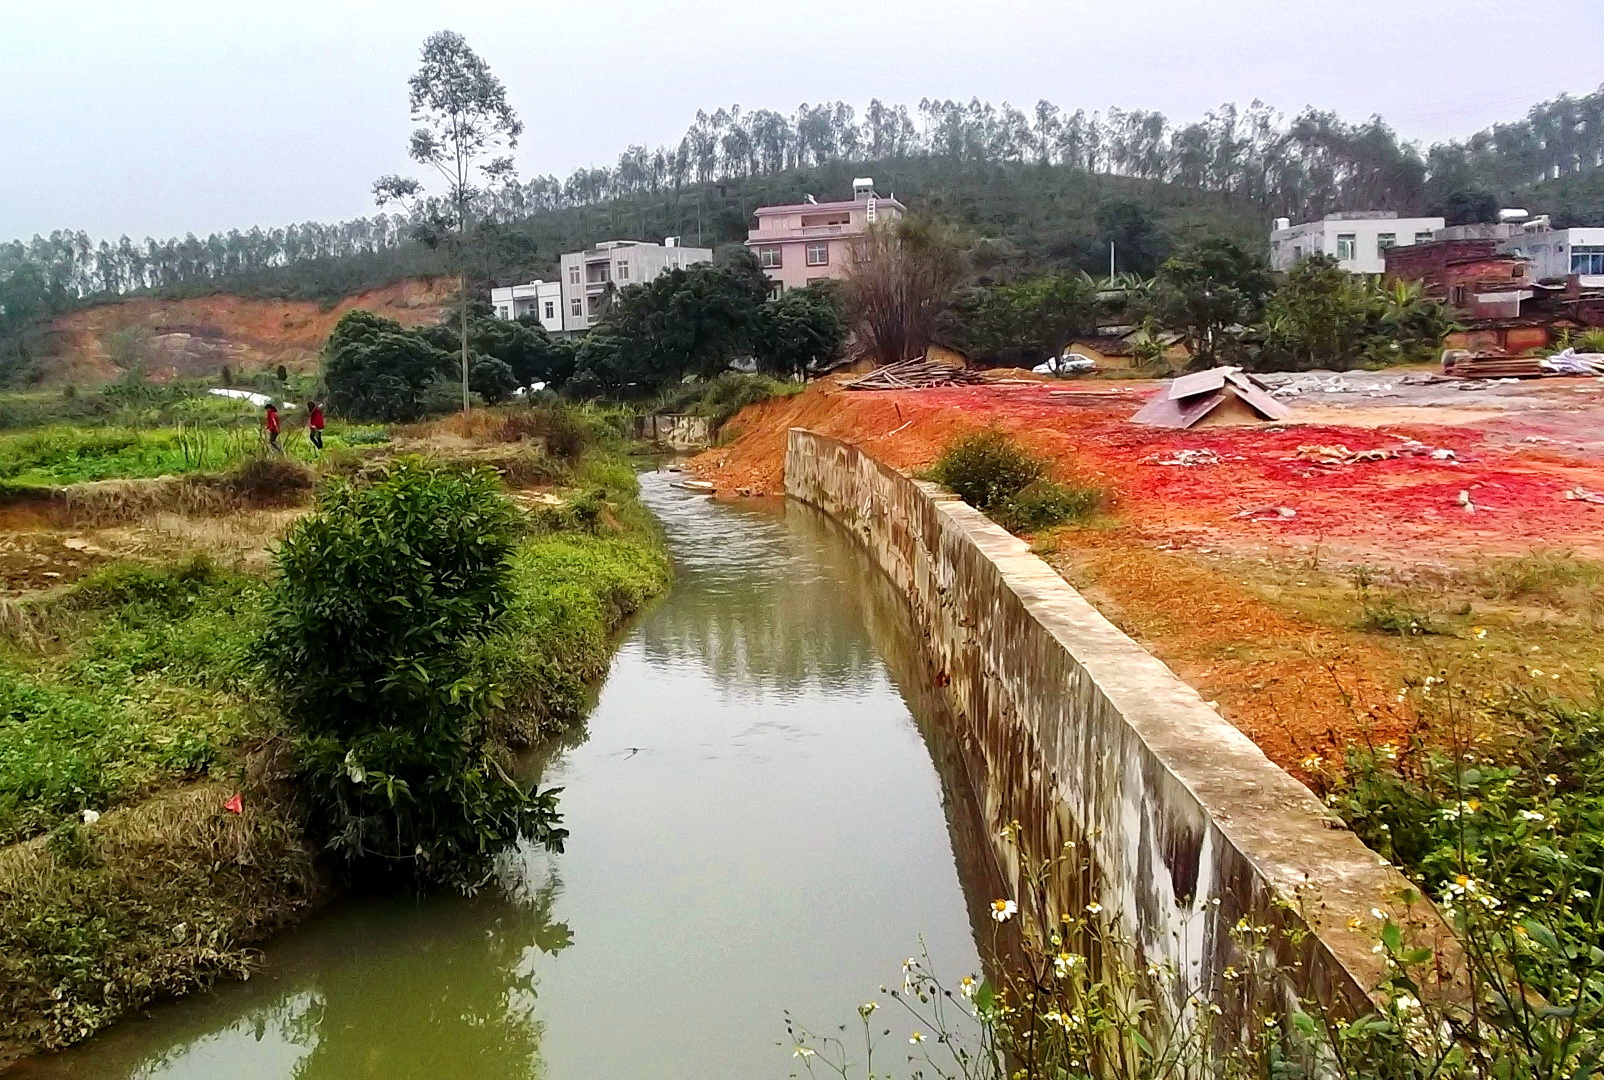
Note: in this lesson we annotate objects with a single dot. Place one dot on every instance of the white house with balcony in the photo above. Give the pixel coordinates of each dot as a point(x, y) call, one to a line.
point(1357, 239)
point(542, 299)
point(1559, 253)
point(591, 277)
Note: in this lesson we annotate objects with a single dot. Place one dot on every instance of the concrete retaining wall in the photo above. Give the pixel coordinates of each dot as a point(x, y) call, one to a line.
point(1076, 732)
point(675, 431)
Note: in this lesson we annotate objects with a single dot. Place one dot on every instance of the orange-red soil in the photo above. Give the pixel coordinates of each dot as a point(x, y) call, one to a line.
point(199, 335)
point(1404, 507)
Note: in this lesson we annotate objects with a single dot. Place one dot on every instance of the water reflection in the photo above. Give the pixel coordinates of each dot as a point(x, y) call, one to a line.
point(757, 826)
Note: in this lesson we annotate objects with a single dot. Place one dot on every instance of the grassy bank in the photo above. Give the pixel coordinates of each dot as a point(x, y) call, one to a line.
point(72, 455)
point(131, 695)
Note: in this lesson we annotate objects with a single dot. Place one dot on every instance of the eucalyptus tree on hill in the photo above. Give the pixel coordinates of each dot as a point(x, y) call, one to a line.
point(464, 124)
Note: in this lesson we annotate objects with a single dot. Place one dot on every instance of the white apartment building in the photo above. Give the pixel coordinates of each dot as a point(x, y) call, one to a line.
point(589, 278)
point(1358, 240)
point(1559, 253)
point(542, 299)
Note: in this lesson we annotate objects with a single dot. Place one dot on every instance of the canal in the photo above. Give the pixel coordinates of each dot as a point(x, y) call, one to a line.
point(764, 819)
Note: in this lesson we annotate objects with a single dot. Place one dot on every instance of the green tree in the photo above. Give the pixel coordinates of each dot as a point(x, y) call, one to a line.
point(1324, 317)
point(464, 122)
point(798, 332)
point(376, 368)
point(685, 322)
point(1022, 323)
point(383, 597)
point(1208, 294)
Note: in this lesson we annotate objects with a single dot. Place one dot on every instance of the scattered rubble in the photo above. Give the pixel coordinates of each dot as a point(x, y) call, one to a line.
point(1189, 459)
point(1581, 494)
point(1265, 512)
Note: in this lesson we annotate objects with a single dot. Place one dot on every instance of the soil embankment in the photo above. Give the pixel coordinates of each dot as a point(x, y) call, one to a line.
point(1281, 581)
point(200, 335)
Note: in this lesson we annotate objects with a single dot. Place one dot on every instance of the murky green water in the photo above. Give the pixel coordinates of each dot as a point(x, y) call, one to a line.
point(758, 825)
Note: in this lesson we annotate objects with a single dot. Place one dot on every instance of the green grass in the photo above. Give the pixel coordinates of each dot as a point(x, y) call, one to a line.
point(66, 454)
point(142, 684)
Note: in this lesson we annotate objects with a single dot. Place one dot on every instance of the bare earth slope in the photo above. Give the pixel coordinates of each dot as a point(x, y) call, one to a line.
point(200, 335)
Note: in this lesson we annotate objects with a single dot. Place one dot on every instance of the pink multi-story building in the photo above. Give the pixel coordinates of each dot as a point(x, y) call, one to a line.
point(806, 242)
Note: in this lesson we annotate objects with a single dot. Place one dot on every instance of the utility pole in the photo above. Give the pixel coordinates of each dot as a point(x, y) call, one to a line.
point(1111, 262)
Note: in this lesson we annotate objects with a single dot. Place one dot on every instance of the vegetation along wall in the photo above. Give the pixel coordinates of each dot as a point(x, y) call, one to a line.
point(1180, 825)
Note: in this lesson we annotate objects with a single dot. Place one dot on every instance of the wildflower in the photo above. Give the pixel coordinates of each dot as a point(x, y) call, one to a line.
point(867, 1008)
point(1065, 962)
point(917, 1037)
point(1230, 973)
point(1551, 780)
point(801, 1052)
point(1380, 916)
point(1094, 907)
point(91, 816)
point(967, 986)
point(1532, 815)
point(1478, 632)
point(1003, 910)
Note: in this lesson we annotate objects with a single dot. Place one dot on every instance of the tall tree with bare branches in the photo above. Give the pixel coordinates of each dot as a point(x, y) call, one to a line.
point(464, 124)
point(901, 276)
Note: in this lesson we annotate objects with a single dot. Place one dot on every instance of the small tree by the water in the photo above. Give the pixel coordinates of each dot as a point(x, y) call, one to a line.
point(382, 597)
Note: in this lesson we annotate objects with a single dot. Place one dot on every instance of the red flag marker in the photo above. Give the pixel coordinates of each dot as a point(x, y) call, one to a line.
point(236, 805)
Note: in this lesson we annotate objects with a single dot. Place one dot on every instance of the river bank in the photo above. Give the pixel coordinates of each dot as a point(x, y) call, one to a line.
point(133, 717)
point(765, 815)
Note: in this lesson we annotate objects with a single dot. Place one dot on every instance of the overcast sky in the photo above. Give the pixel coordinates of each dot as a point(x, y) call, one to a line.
point(163, 117)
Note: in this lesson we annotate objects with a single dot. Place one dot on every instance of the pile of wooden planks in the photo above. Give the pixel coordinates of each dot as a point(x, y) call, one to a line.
point(914, 375)
point(1493, 366)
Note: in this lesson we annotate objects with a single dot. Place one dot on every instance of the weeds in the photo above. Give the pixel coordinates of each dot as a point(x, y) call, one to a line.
point(719, 399)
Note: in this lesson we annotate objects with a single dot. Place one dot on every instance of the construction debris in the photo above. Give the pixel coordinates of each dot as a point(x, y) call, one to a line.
point(1189, 459)
point(1222, 395)
point(1571, 362)
point(1268, 511)
point(1581, 494)
point(1466, 365)
point(915, 375)
point(1339, 454)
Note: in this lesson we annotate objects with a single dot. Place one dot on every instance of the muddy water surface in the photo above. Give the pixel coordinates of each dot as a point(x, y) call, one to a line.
point(762, 820)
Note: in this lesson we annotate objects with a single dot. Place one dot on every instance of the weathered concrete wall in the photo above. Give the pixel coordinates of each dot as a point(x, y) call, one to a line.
point(675, 431)
point(1081, 736)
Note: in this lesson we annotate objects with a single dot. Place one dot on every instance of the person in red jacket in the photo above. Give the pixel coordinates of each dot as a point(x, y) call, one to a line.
point(271, 424)
point(314, 422)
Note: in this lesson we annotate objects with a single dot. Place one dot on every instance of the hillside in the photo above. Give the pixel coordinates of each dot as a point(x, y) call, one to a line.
point(199, 336)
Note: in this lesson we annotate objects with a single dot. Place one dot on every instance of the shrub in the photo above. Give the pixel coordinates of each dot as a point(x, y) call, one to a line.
point(986, 468)
point(269, 477)
point(1046, 503)
point(721, 398)
point(382, 597)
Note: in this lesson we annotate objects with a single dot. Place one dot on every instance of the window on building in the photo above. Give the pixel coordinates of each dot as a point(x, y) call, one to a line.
point(623, 271)
point(573, 275)
point(1424, 237)
point(1347, 243)
point(775, 290)
point(1297, 252)
point(768, 258)
point(1587, 259)
point(818, 254)
point(1456, 296)
point(551, 310)
point(1384, 241)
point(576, 308)
point(596, 273)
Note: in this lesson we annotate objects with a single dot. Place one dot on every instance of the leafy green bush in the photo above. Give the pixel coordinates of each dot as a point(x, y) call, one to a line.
point(383, 599)
point(986, 468)
point(1045, 503)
